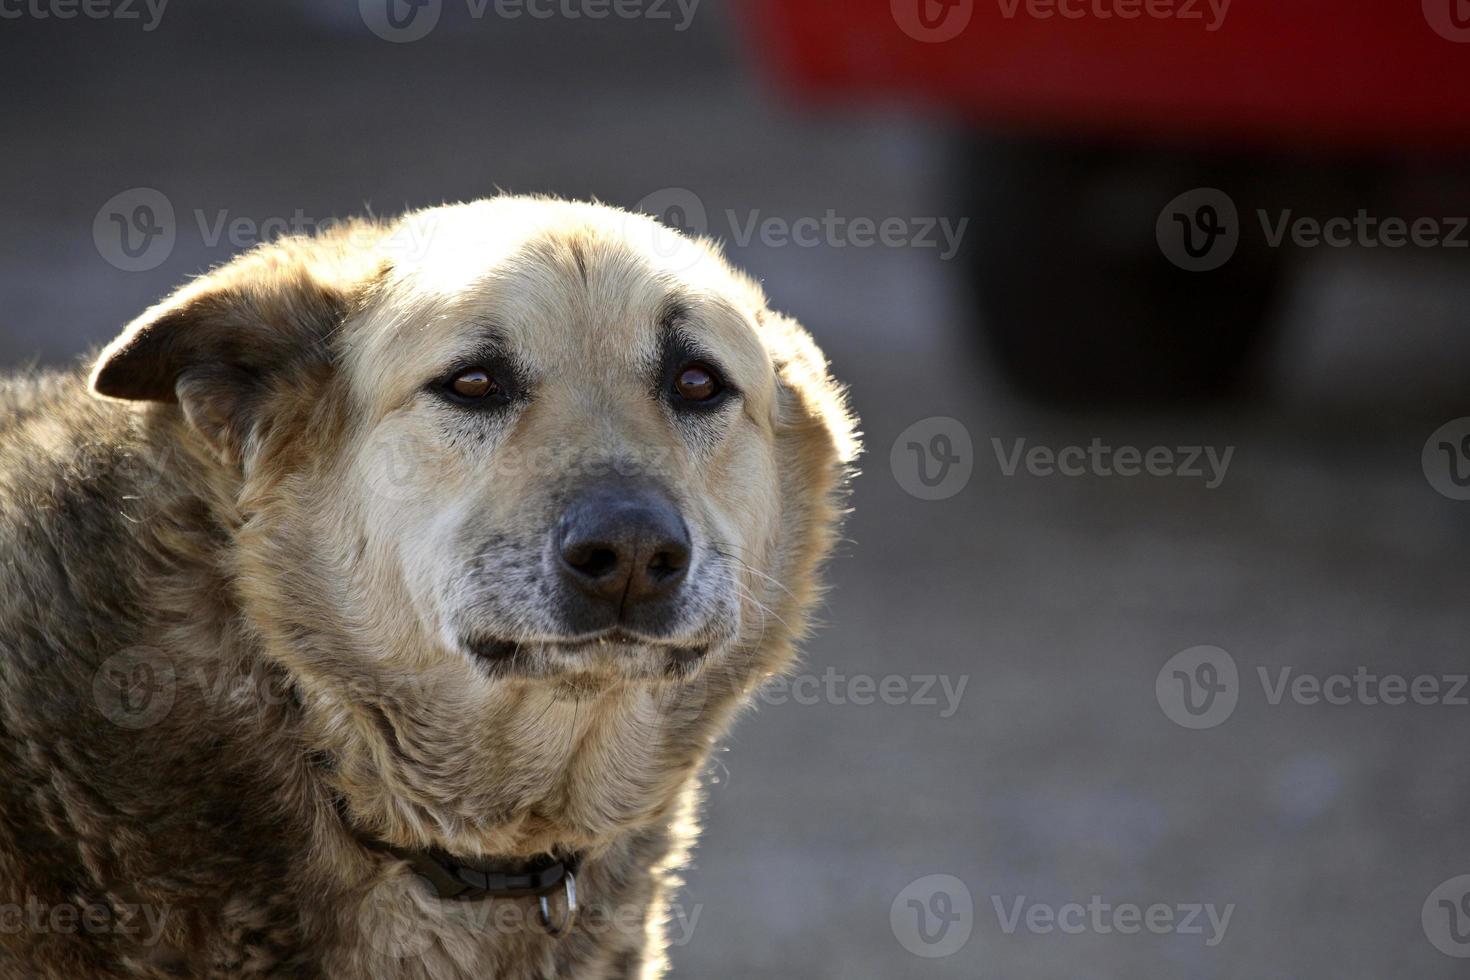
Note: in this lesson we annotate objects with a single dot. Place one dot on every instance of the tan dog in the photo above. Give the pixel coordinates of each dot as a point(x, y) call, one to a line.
point(380, 619)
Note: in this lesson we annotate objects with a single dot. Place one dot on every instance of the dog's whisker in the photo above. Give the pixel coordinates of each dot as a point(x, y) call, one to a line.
point(745, 592)
point(746, 566)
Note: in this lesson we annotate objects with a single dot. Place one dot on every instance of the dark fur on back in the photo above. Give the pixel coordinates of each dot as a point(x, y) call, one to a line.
point(96, 816)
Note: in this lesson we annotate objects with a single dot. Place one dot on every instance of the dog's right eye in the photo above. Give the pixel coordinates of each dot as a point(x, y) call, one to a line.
point(474, 386)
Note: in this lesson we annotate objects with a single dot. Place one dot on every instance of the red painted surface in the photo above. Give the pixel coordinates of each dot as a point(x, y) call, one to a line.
point(1386, 74)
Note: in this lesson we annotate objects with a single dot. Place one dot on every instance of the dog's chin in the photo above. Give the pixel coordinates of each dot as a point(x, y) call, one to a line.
point(611, 655)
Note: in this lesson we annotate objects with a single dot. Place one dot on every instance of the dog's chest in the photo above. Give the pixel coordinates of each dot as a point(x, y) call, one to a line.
point(402, 931)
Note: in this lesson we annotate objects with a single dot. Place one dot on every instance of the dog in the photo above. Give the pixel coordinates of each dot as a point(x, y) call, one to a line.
point(372, 607)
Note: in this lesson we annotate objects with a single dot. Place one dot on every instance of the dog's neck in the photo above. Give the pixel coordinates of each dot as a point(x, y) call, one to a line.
point(609, 776)
point(374, 909)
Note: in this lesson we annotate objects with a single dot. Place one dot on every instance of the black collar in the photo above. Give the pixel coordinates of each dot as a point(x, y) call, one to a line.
point(470, 879)
point(473, 879)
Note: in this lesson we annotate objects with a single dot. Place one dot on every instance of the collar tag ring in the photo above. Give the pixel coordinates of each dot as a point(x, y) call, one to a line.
point(569, 919)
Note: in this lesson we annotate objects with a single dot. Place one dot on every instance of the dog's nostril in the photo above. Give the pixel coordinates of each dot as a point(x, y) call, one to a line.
point(593, 561)
point(667, 562)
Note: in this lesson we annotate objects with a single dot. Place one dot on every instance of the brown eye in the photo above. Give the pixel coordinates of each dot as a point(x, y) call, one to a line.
point(697, 383)
point(474, 385)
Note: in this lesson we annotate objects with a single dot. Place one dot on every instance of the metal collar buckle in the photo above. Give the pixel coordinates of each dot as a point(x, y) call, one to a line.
point(454, 879)
point(569, 918)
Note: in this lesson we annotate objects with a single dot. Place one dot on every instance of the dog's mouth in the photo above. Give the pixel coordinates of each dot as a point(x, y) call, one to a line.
point(613, 650)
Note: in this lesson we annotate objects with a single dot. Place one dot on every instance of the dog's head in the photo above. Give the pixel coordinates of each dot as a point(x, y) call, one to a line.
point(507, 480)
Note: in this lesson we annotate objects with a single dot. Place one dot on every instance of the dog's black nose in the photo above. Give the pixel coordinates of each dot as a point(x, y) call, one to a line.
point(623, 546)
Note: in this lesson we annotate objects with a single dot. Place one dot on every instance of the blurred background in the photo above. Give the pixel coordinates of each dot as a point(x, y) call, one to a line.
point(1155, 312)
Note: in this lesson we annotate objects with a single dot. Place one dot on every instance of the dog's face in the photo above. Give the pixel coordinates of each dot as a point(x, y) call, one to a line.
point(567, 440)
point(528, 495)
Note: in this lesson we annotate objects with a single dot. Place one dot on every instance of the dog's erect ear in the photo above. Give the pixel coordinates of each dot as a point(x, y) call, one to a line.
point(215, 345)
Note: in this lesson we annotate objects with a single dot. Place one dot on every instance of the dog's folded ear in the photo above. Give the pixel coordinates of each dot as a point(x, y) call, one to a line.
point(216, 346)
point(812, 407)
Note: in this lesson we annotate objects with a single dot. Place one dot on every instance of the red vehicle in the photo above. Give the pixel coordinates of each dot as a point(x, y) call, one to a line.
point(1119, 116)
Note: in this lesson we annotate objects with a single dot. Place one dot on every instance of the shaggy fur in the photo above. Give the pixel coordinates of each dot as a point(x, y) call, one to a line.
point(237, 577)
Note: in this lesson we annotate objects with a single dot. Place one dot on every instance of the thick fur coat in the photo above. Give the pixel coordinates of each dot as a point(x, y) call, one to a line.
point(250, 565)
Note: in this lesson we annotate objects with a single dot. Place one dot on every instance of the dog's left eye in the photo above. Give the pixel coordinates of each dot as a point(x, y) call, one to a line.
point(698, 383)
